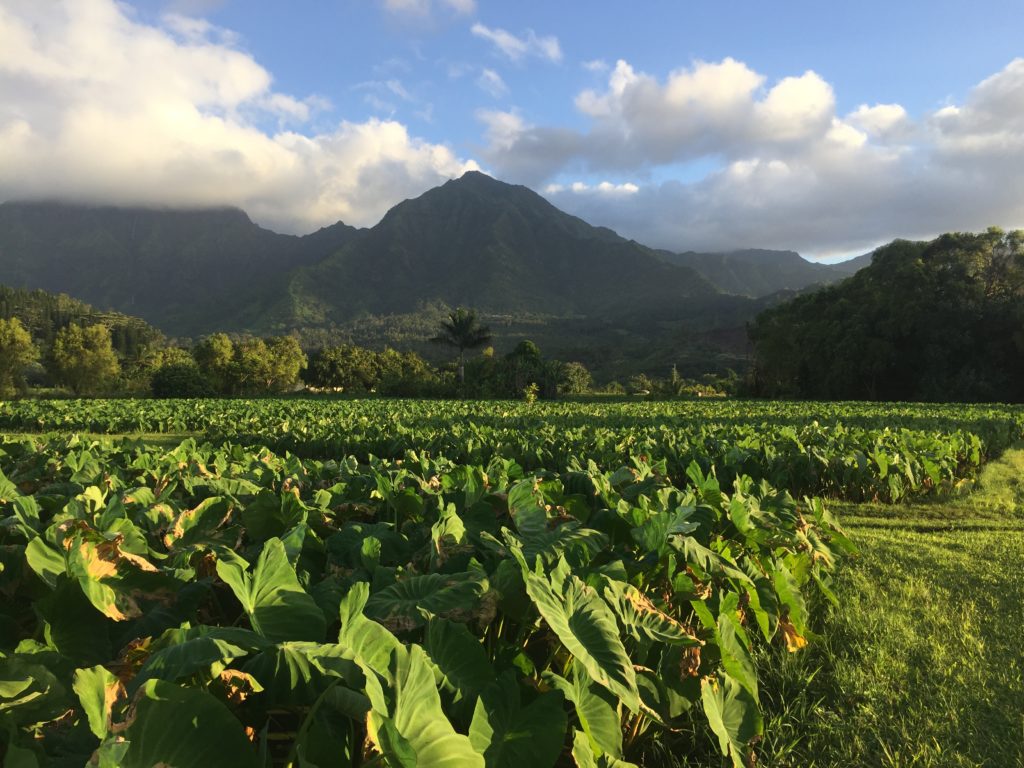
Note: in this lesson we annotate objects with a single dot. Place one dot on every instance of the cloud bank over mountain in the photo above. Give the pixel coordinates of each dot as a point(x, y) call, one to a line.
point(99, 105)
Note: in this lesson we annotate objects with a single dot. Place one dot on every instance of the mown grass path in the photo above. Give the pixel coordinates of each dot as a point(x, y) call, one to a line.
point(923, 662)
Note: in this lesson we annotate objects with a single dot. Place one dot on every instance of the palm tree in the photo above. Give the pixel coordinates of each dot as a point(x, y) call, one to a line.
point(462, 331)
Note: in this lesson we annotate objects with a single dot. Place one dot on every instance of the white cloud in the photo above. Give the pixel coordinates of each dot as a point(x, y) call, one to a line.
point(595, 65)
point(517, 48)
point(99, 107)
point(602, 188)
point(790, 172)
point(422, 8)
point(880, 120)
point(491, 82)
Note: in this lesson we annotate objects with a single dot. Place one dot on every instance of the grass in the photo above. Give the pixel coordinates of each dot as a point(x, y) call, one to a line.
point(922, 663)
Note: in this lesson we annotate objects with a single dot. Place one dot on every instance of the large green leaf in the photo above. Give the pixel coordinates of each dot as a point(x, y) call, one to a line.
point(733, 715)
point(98, 690)
point(596, 708)
point(370, 643)
point(184, 659)
point(459, 655)
point(587, 628)
point(510, 735)
point(278, 607)
point(415, 730)
point(584, 756)
point(184, 728)
point(401, 605)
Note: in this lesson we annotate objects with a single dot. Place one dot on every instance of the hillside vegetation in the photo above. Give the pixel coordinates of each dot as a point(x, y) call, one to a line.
point(942, 320)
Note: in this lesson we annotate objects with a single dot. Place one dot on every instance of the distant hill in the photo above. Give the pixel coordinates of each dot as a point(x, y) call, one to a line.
point(854, 265)
point(186, 271)
point(43, 314)
point(757, 272)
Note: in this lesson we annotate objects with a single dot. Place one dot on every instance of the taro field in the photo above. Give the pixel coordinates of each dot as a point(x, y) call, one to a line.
point(314, 583)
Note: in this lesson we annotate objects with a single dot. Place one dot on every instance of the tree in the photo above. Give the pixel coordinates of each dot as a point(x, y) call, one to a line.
point(180, 379)
point(286, 361)
point(214, 355)
point(575, 379)
point(84, 359)
point(352, 368)
point(17, 352)
point(462, 331)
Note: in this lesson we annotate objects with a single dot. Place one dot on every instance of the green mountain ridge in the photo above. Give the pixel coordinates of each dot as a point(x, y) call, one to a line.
point(530, 270)
point(476, 241)
point(758, 272)
point(186, 271)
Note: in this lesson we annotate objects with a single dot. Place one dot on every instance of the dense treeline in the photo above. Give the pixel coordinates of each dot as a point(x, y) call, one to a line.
point(936, 321)
point(83, 360)
point(44, 314)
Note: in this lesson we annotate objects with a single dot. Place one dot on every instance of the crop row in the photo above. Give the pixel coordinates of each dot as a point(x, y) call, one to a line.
point(855, 451)
point(417, 611)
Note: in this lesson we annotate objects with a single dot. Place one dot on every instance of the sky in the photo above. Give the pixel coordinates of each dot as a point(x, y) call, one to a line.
point(826, 128)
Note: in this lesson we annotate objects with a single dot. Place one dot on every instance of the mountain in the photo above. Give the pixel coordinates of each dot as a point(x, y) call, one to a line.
point(532, 271)
point(503, 249)
point(757, 272)
point(185, 271)
point(854, 265)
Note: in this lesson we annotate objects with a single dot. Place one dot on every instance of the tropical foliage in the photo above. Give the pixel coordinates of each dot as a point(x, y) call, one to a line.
point(415, 612)
point(935, 321)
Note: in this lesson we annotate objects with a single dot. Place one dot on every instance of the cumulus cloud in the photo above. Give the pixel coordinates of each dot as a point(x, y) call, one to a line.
point(787, 170)
point(517, 48)
point(99, 107)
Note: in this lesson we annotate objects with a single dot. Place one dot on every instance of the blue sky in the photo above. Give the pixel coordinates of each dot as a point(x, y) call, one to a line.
point(823, 127)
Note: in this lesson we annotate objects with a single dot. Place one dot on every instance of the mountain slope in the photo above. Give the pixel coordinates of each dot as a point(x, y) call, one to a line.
point(186, 271)
point(757, 272)
point(479, 242)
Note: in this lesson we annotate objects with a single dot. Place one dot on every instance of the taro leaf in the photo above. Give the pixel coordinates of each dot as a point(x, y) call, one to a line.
point(460, 657)
point(510, 735)
point(277, 606)
point(184, 728)
point(452, 596)
point(584, 757)
point(569, 538)
point(587, 628)
point(46, 561)
point(288, 674)
point(73, 626)
point(29, 692)
point(643, 619)
point(271, 514)
point(370, 642)
point(184, 659)
point(526, 505)
point(26, 512)
point(790, 597)
point(596, 708)
point(733, 715)
point(733, 644)
point(112, 577)
point(327, 738)
point(415, 731)
point(98, 691)
point(196, 525)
